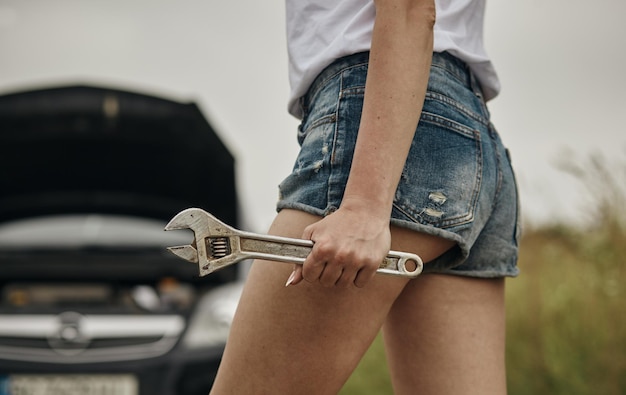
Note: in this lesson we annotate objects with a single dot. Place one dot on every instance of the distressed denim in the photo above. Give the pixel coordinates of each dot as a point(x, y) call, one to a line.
point(457, 182)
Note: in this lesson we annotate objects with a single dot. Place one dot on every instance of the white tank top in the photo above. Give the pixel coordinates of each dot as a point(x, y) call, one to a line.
point(320, 31)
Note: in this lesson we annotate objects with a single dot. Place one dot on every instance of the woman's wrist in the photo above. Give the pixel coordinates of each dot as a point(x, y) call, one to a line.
point(374, 207)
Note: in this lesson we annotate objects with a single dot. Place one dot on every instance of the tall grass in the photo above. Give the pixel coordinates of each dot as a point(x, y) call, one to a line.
point(566, 312)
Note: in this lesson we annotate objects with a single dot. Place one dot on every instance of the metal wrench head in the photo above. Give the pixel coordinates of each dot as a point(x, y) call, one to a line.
point(184, 220)
point(206, 229)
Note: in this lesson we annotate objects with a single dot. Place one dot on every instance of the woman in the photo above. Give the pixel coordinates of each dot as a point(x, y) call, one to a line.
point(427, 174)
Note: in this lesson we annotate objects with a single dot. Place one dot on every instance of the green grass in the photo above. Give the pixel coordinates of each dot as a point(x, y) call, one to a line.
point(566, 313)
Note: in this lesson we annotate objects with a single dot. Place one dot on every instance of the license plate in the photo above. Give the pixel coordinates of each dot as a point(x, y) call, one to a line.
point(75, 384)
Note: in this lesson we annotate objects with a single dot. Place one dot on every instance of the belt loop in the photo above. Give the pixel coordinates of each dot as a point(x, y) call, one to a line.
point(478, 91)
point(303, 106)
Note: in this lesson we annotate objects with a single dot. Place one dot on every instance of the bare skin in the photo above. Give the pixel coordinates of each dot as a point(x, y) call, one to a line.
point(443, 335)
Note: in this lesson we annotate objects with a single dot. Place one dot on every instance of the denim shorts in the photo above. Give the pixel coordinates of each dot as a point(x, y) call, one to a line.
point(457, 181)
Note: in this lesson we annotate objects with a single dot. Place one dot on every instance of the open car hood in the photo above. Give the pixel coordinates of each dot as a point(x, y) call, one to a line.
point(83, 149)
point(90, 176)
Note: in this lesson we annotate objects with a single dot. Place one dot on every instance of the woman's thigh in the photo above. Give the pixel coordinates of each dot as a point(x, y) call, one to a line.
point(445, 334)
point(304, 338)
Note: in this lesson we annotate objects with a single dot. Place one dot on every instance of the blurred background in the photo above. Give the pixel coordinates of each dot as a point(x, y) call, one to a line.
point(560, 63)
point(561, 113)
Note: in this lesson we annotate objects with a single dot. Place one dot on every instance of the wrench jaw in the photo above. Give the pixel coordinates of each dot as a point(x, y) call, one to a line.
point(187, 252)
point(207, 266)
point(205, 227)
point(190, 218)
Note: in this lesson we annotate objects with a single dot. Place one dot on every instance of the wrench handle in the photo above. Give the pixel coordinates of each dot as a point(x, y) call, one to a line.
point(289, 250)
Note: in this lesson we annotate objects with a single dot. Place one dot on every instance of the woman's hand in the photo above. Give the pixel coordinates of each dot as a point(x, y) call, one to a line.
point(349, 246)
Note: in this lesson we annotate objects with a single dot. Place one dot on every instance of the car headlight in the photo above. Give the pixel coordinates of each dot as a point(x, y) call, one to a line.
point(213, 316)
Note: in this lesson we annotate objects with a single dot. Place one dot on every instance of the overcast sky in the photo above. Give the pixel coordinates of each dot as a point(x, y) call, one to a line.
point(561, 65)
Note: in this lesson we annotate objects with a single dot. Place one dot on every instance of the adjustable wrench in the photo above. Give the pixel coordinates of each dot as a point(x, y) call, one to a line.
point(217, 245)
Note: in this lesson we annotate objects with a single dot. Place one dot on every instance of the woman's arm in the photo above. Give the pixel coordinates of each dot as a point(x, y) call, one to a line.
point(351, 243)
point(399, 68)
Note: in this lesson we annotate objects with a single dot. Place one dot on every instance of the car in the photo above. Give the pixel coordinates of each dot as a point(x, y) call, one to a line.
point(92, 303)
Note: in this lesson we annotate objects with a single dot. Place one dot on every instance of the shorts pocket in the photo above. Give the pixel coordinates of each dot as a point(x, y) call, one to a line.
point(441, 179)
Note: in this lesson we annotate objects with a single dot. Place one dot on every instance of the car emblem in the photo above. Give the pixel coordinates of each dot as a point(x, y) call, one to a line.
point(69, 337)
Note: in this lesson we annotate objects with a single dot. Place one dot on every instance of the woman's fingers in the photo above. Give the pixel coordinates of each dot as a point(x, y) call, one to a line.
point(296, 276)
point(348, 248)
point(332, 264)
point(328, 273)
point(363, 277)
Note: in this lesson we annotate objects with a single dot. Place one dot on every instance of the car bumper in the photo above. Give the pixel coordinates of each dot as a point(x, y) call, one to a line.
point(180, 372)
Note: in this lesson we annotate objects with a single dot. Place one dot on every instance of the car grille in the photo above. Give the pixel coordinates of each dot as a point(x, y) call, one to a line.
point(74, 338)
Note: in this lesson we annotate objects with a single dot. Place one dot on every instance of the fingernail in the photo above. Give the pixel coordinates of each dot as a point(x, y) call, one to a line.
point(291, 278)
